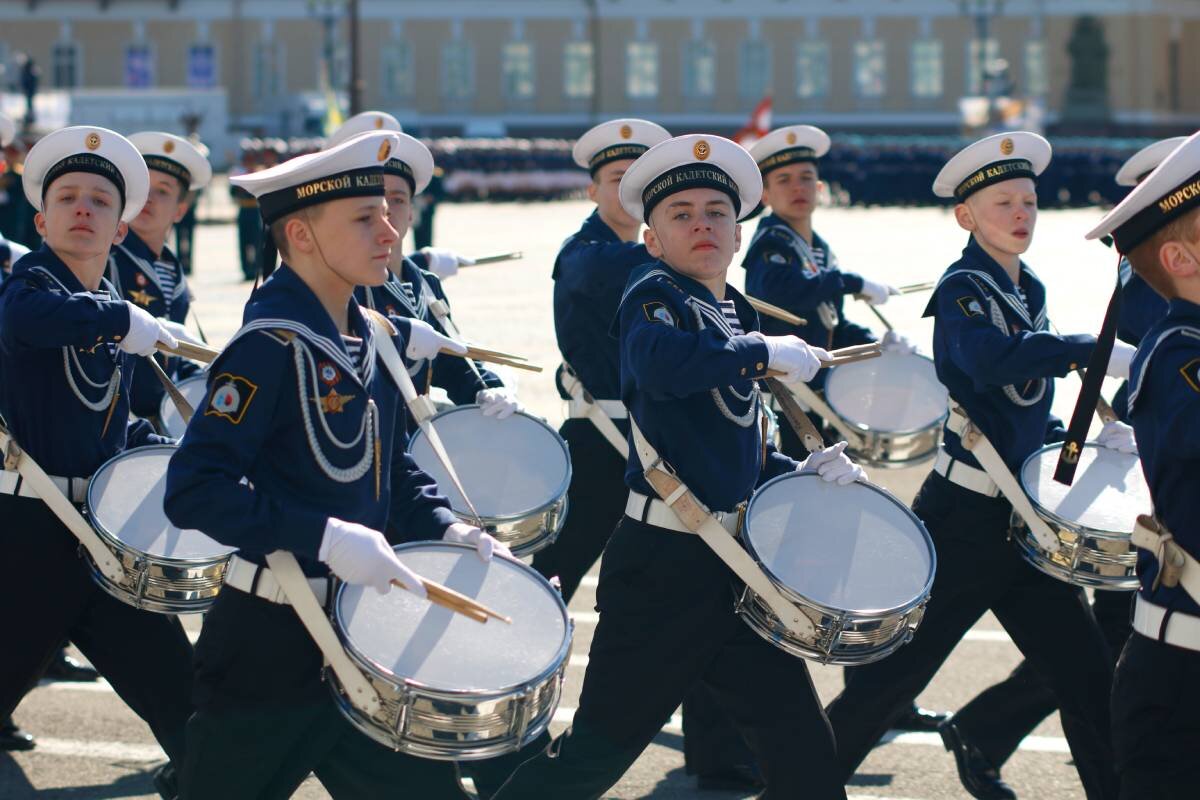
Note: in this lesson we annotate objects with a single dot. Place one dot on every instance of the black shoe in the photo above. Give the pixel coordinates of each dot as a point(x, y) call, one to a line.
point(166, 782)
point(65, 668)
point(979, 777)
point(13, 738)
point(737, 778)
point(921, 720)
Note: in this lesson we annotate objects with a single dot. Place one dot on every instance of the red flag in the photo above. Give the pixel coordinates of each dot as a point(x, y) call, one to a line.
point(758, 126)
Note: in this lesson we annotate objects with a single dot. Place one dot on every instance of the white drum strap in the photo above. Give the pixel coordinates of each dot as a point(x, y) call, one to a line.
point(699, 520)
point(816, 403)
point(290, 578)
point(1175, 565)
point(595, 414)
point(420, 405)
point(18, 460)
point(985, 453)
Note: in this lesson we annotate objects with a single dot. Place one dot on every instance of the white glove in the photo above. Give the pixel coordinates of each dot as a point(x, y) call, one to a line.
point(833, 465)
point(792, 356)
point(497, 403)
point(424, 341)
point(181, 333)
point(1120, 360)
point(877, 293)
point(444, 263)
point(485, 545)
point(1116, 435)
point(145, 331)
point(897, 343)
point(359, 555)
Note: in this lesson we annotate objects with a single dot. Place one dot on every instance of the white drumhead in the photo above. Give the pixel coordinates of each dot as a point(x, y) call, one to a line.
point(1108, 492)
point(509, 467)
point(193, 389)
point(894, 393)
point(852, 548)
point(125, 499)
point(410, 638)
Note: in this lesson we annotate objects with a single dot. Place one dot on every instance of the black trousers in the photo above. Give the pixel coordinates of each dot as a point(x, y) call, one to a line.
point(999, 717)
point(265, 718)
point(48, 597)
point(1156, 720)
point(667, 623)
point(1050, 621)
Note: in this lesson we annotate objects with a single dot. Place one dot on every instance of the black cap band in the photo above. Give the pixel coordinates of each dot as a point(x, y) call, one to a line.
point(626, 151)
point(395, 166)
point(1172, 205)
point(996, 172)
point(85, 162)
point(173, 168)
point(689, 176)
point(352, 183)
point(792, 155)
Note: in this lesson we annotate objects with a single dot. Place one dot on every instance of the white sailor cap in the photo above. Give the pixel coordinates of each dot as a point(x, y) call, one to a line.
point(86, 148)
point(691, 162)
point(1169, 192)
point(175, 156)
point(352, 169)
point(8, 130)
point(790, 145)
point(616, 140)
point(366, 122)
point(1143, 162)
point(410, 160)
point(995, 159)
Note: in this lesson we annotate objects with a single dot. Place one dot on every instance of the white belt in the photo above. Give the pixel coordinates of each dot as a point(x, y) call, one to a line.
point(964, 475)
point(241, 573)
point(660, 515)
point(74, 488)
point(1182, 630)
point(577, 408)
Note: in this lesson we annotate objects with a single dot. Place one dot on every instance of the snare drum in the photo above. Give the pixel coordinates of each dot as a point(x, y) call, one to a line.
point(451, 688)
point(193, 389)
point(853, 558)
point(896, 404)
point(515, 470)
point(165, 569)
point(1093, 517)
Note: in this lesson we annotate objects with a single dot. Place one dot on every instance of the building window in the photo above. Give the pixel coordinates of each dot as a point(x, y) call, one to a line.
point(812, 70)
point(397, 63)
point(754, 69)
point(870, 69)
point(202, 66)
point(458, 73)
point(65, 62)
point(578, 78)
point(699, 69)
point(1036, 84)
point(641, 70)
point(139, 66)
point(516, 69)
point(927, 69)
point(979, 56)
point(268, 70)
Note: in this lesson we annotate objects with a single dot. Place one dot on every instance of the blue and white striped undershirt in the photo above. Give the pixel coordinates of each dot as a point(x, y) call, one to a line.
point(354, 347)
point(729, 311)
point(166, 278)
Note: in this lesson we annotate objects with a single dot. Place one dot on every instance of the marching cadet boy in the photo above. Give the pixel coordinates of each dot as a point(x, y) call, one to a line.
point(1156, 697)
point(299, 446)
point(409, 290)
point(789, 265)
point(690, 354)
point(985, 732)
point(144, 270)
point(68, 348)
point(996, 357)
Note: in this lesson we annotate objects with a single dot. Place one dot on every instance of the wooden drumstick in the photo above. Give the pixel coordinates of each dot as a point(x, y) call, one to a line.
point(765, 308)
point(912, 288)
point(181, 404)
point(459, 603)
point(488, 356)
point(195, 352)
point(513, 256)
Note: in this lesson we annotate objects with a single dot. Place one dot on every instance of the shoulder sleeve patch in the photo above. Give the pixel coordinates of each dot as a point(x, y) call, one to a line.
point(1191, 374)
point(776, 257)
point(231, 396)
point(971, 306)
point(658, 312)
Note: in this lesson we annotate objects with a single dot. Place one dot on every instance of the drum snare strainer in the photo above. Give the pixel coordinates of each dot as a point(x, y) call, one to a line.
point(454, 689)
